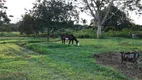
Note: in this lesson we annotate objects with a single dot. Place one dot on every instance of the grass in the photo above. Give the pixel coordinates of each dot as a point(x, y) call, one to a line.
point(55, 61)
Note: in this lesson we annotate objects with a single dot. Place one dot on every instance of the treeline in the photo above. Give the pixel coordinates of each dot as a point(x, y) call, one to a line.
point(80, 31)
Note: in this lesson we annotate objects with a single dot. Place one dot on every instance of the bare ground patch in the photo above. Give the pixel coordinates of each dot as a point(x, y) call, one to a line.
point(113, 59)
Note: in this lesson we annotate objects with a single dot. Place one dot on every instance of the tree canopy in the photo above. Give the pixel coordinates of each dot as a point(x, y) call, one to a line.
point(27, 25)
point(98, 7)
point(49, 15)
point(3, 16)
point(53, 14)
point(118, 20)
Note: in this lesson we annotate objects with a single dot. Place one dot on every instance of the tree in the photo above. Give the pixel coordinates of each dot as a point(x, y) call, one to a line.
point(27, 25)
point(97, 7)
point(52, 14)
point(118, 21)
point(3, 16)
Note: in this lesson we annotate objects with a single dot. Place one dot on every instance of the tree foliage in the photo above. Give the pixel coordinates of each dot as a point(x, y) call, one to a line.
point(3, 16)
point(27, 25)
point(98, 7)
point(118, 20)
point(52, 14)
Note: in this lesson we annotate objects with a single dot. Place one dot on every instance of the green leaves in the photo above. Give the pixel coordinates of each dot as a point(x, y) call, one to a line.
point(3, 16)
point(27, 25)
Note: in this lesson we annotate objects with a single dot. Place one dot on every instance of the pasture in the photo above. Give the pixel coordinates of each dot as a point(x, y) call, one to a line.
point(23, 58)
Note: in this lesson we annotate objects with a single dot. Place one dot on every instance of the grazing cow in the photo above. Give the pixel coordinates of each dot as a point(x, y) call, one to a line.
point(129, 56)
point(69, 37)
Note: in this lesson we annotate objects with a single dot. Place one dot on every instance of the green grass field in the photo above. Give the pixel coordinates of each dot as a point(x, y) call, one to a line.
point(35, 59)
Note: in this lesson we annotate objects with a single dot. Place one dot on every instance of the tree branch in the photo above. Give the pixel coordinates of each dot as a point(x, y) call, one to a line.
point(107, 13)
point(112, 15)
point(92, 13)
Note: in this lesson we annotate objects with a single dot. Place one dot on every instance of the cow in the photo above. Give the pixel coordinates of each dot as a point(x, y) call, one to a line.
point(69, 37)
point(129, 56)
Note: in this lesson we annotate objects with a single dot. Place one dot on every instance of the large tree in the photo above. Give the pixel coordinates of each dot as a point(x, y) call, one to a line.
point(118, 21)
point(27, 25)
point(52, 13)
point(97, 7)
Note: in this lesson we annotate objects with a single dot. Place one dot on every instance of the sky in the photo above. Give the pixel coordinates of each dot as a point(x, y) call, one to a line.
point(17, 8)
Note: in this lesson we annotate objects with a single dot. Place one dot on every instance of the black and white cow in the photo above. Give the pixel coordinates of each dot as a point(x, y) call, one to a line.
point(69, 37)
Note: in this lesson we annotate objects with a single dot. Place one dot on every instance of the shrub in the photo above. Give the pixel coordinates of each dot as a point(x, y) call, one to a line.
point(9, 34)
point(1, 34)
point(85, 33)
point(122, 33)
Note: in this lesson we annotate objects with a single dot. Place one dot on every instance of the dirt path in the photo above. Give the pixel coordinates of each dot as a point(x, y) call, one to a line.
point(113, 59)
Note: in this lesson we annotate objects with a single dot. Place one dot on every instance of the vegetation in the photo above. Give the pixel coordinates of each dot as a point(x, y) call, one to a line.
point(47, 16)
point(9, 34)
point(59, 61)
point(25, 53)
point(97, 8)
point(27, 25)
point(3, 16)
point(118, 21)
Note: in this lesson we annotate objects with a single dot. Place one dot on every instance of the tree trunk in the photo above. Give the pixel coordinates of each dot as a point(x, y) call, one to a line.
point(48, 35)
point(99, 30)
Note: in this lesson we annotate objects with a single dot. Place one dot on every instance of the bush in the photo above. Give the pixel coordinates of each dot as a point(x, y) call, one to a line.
point(139, 35)
point(86, 33)
point(123, 33)
point(1, 34)
point(9, 34)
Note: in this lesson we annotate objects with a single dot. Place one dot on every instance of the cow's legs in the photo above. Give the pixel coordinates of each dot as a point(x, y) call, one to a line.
point(62, 41)
point(72, 41)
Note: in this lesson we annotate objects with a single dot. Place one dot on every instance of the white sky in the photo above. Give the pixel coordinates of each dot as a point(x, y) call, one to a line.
point(16, 8)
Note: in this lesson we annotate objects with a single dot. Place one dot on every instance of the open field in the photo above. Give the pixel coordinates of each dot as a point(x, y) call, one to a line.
point(35, 59)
